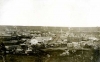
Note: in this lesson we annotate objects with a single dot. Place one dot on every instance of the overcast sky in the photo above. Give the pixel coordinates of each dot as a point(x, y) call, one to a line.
point(68, 13)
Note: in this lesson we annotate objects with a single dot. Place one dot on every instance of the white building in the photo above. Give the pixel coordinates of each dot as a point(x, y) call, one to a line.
point(33, 41)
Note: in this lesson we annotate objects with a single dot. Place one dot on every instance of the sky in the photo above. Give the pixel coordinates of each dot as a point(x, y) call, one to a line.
point(65, 13)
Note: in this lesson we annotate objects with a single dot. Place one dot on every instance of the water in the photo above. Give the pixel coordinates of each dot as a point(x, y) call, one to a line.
point(54, 56)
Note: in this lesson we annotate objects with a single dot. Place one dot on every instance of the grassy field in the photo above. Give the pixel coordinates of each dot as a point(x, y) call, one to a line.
point(54, 56)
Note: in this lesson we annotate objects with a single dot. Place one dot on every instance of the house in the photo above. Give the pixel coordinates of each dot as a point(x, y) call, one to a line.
point(93, 38)
point(43, 39)
point(76, 45)
point(69, 45)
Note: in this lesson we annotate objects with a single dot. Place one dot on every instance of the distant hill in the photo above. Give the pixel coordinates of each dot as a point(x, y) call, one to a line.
point(4, 28)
